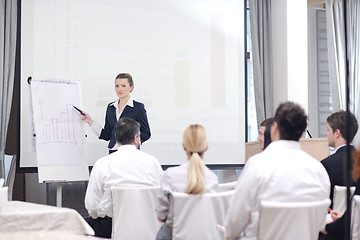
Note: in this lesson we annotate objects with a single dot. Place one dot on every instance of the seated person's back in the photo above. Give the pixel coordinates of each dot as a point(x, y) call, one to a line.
point(191, 177)
point(281, 173)
point(126, 167)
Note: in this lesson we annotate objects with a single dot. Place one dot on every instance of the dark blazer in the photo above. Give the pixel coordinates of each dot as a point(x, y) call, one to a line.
point(334, 165)
point(138, 113)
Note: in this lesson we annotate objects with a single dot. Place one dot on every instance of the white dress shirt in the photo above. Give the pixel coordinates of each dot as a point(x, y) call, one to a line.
point(281, 173)
point(128, 166)
point(175, 180)
point(96, 127)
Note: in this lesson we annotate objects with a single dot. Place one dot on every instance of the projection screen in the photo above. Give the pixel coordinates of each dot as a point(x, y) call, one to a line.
point(186, 58)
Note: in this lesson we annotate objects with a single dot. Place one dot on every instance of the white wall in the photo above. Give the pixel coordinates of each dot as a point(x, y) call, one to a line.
point(280, 62)
point(290, 51)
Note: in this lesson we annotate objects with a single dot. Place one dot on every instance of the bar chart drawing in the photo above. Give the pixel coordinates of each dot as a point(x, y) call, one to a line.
point(59, 128)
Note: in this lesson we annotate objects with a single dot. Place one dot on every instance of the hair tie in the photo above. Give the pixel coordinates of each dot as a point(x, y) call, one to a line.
point(199, 153)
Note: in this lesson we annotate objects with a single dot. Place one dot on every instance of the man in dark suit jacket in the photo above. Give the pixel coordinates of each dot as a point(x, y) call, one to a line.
point(336, 134)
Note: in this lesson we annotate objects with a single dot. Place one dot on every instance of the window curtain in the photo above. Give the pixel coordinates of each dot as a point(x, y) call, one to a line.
point(260, 25)
point(8, 25)
point(336, 50)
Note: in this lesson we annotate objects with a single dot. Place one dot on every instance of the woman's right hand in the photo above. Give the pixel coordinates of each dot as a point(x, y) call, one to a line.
point(86, 118)
point(335, 215)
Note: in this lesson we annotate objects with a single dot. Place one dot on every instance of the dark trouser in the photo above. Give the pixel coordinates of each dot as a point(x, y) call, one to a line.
point(112, 151)
point(101, 226)
point(328, 237)
point(165, 233)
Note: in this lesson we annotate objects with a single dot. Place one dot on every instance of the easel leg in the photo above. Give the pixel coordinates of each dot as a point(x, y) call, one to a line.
point(59, 194)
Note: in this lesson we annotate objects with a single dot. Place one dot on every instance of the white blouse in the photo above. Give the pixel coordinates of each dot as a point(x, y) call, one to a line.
point(175, 180)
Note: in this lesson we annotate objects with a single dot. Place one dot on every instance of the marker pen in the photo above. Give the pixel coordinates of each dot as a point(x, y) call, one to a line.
point(79, 111)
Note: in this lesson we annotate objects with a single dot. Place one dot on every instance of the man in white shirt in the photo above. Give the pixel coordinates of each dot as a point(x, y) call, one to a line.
point(126, 167)
point(336, 135)
point(281, 173)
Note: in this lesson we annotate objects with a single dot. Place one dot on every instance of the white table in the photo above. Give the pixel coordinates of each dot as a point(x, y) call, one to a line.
point(16, 216)
point(45, 235)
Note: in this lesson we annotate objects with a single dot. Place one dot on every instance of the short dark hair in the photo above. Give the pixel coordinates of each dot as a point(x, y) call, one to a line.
point(291, 120)
point(267, 137)
point(125, 130)
point(337, 120)
point(267, 122)
point(127, 76)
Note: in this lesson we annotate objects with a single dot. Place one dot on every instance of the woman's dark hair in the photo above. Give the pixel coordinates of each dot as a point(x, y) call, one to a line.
point(127, 76)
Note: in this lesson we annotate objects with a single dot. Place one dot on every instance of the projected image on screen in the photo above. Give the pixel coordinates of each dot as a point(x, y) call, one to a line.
point(186, 58)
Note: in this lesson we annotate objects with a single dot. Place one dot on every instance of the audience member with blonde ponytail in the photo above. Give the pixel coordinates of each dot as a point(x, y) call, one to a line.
point(191, 177)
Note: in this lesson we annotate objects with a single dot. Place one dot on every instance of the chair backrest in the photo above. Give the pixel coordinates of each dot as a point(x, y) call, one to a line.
point(339, 199)
point(134, 215)
point(224, 187)
point(11, 176)
point(3, 195)
point(355, 218)
point(197, 216)
point(292, 220)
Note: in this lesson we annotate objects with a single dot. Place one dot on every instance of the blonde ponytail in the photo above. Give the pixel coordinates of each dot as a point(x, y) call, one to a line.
point(195, 143)
point(196, 184)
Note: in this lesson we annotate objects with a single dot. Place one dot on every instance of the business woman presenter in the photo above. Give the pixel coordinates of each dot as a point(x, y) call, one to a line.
point(125, 106)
